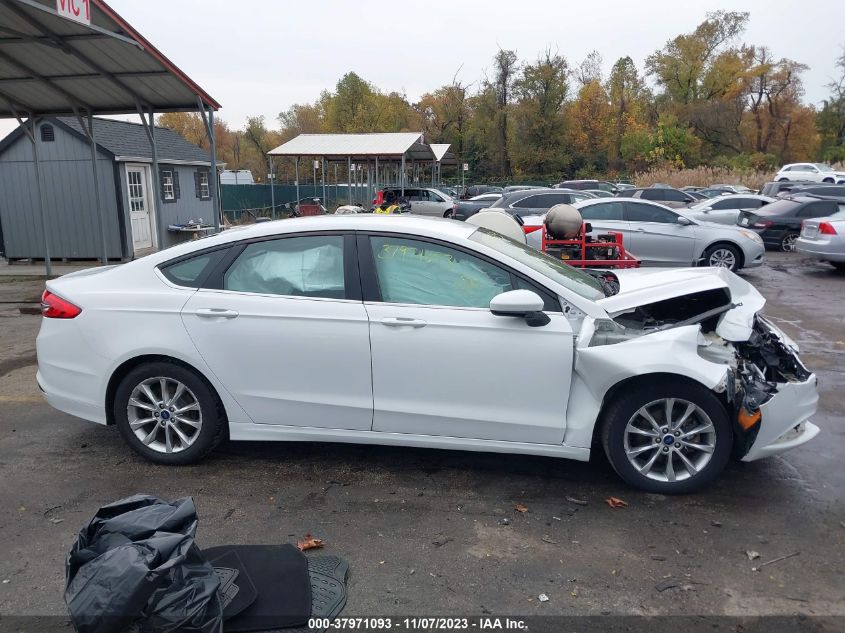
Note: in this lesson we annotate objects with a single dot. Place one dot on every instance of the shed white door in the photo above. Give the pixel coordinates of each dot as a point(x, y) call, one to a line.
point(140, 216)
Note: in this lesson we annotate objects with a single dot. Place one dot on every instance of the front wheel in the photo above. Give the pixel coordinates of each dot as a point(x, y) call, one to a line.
point(168, 414)
point(449, 214)
point(669, 436)
point(787, 244)
point(723, 256)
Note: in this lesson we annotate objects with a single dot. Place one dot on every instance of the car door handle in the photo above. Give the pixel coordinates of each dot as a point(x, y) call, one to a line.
point(216, 313)
point(403, 322)
point(640, 229)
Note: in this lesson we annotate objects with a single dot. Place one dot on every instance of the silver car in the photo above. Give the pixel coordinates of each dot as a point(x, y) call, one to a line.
point(824, 239)
point(725, 209)
point(425, 201)
point(660, 236)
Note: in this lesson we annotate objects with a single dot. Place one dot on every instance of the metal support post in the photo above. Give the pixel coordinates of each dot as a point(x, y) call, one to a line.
point(31, 122)
point(296, 172)
point(149, 128)
point(323, 178)
point(349, 179)
point(97, 201)
point(402, 176)
point(272, 188)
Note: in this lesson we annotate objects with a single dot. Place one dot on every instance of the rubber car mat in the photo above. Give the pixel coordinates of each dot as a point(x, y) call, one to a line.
point(328, 590)
point(280, 576)
point(236, 589)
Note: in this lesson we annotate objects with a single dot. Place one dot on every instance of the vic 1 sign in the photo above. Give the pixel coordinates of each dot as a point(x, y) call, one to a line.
point(76, 10)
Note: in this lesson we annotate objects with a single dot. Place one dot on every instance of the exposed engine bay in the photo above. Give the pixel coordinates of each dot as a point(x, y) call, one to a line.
point(758, 362)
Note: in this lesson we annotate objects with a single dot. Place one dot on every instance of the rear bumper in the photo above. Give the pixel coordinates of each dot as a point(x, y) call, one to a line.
point(818, 250)
point(785, 422)
point(69, 372)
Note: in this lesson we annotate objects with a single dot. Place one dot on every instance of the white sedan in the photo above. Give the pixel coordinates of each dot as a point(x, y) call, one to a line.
point(423, 332)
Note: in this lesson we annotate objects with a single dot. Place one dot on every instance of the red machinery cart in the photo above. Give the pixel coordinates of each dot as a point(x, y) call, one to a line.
point(604, 250)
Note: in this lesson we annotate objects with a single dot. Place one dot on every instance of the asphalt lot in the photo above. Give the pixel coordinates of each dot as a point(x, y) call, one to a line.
point(436, 532)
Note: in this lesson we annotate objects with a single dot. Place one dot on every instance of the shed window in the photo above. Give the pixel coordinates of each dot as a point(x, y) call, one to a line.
point(48, 134)
point(168, 191)
point(203, 191)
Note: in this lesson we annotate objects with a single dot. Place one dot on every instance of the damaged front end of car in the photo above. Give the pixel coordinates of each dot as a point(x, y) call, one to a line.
point(769, 394)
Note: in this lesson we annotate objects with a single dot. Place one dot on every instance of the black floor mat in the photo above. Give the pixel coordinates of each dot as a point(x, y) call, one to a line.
point(281, 578)
point(236, 589)
point(328, 590)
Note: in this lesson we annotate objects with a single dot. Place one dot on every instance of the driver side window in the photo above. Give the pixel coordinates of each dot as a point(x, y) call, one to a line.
point(424, 273)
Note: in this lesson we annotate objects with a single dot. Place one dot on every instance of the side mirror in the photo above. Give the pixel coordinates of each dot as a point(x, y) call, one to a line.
point(683, 221)
point(707, 209)
point(520, 303)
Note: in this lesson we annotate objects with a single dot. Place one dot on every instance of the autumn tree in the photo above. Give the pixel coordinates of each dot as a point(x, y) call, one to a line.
point(773, 119)
point(628, 99)
point(590, 118)
point(540, 124)
point(506, 65)
point(831, 119)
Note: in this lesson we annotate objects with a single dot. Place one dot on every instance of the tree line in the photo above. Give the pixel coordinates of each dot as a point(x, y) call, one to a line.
point(704, 98)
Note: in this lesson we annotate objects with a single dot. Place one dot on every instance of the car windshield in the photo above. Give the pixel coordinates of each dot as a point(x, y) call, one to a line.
point(559, 272)
point(823, 167)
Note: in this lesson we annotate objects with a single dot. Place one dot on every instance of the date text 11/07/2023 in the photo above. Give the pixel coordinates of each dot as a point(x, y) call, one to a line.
point(418, 624)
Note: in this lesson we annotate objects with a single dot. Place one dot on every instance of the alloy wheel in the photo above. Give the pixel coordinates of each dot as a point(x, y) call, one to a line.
point(669, 440)
point(722, 257)
point(787, 245)
point(164, 414)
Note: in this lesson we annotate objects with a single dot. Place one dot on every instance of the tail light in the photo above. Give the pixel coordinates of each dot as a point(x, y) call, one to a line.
point(762, 224)
point(54, 307)
point(826, 228)
point(531, 229)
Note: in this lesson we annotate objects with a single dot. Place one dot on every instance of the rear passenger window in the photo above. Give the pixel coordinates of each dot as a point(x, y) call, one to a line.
point(675, 196)
point(652, 194)
point(604, 211)
point(190, 272)
point(648, 213)
point(310, 266)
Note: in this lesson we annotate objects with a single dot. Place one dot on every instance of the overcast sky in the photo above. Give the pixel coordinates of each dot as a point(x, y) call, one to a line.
point(261, 56)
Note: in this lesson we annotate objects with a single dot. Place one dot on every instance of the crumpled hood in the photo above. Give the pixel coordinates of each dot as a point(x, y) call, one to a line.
point(643, 286)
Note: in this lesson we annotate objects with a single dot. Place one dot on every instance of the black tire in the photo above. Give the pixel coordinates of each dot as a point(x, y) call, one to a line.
point(734, 250)
point(625, 405)
point(214, 423)
point(828, 181)
point(787, 242)
point(449, 214)
point(840, 266)
point(783, 179)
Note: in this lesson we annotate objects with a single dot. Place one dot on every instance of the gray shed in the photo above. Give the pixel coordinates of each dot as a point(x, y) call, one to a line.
point(126, 189)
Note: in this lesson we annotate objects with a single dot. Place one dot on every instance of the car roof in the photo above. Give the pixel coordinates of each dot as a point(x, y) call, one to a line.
point(450, 230)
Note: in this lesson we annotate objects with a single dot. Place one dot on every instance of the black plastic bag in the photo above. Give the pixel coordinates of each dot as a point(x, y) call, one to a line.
point(135, 566)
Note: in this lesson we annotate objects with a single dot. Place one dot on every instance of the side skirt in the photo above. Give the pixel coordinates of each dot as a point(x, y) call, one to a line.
point(263, 432)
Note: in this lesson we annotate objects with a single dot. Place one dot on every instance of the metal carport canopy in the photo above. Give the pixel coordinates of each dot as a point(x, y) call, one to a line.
point(357, 146)
point(87, 61)
point(51, 65)
point(380, 146)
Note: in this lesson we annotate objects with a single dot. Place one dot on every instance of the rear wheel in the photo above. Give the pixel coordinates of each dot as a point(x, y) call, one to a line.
point(828, 180)
point(787, 243)
point(669, 436)
point(168, 414)
point(723, 256)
